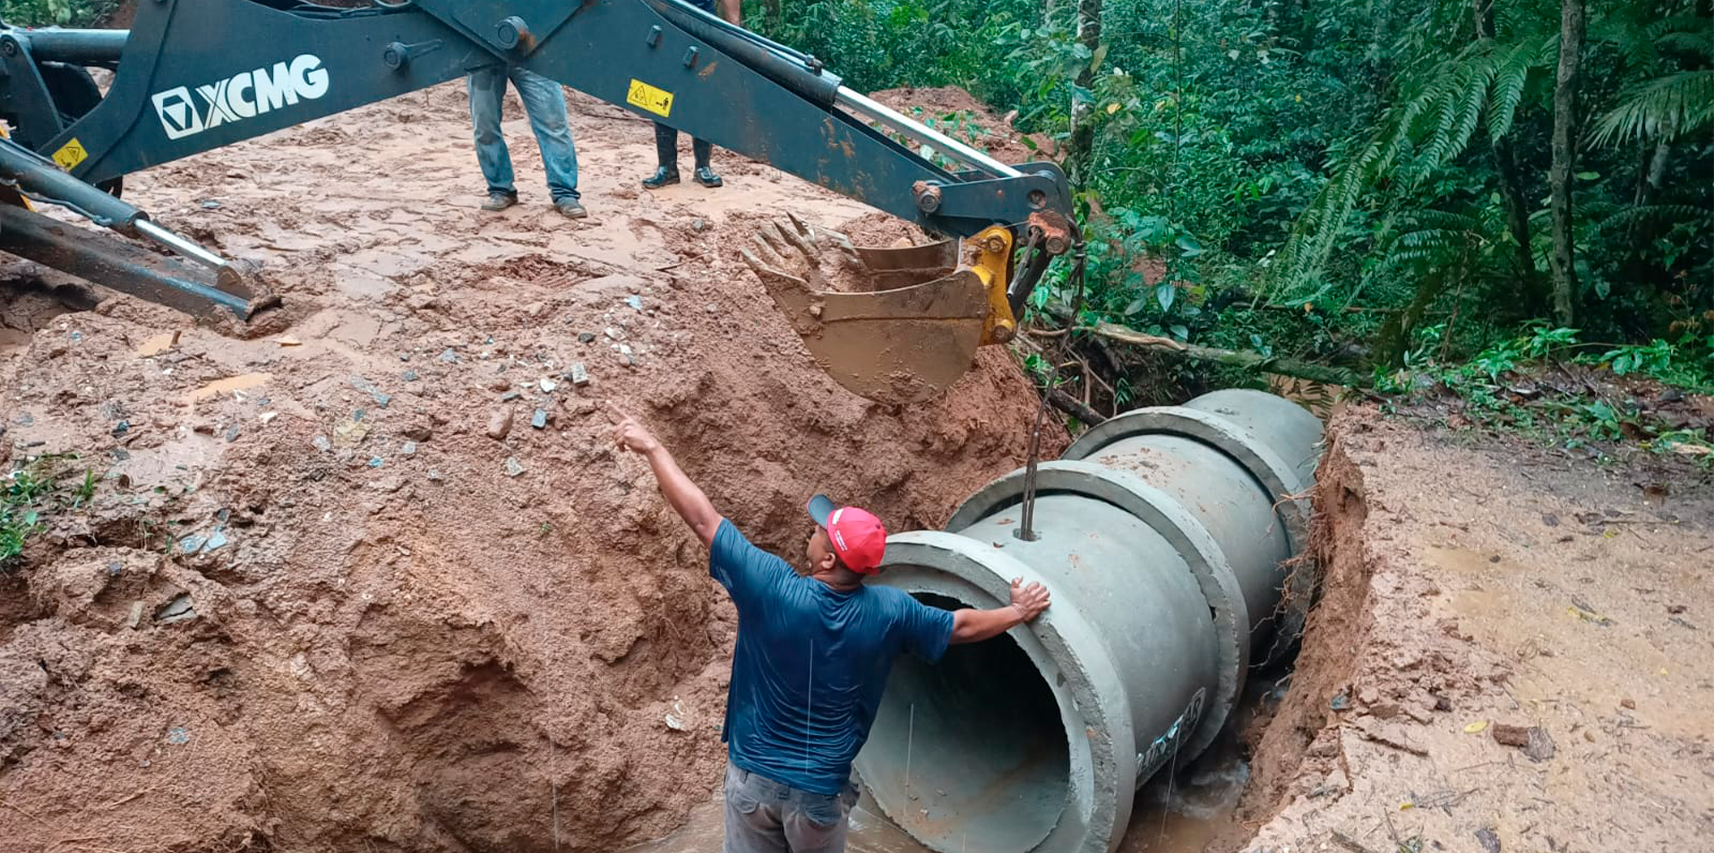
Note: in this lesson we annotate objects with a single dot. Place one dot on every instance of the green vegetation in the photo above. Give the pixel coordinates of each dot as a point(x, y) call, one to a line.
point(34, 492)
point(1337, 184)
point(62, 13)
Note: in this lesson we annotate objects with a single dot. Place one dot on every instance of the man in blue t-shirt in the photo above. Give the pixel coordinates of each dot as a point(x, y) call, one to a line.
point(812, 658)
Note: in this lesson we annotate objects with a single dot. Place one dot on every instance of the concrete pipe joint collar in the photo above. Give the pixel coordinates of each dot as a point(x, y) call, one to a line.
point(1161, 536)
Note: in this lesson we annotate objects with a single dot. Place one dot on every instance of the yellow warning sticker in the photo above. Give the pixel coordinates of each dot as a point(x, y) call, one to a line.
point(70, 154)
point(657, 101)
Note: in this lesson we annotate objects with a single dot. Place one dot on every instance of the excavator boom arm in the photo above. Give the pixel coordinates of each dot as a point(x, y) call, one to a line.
point(195, 75)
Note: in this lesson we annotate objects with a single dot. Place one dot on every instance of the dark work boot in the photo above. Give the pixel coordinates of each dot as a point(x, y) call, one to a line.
point(663, 177)
point(706, 177)
point(498, 201)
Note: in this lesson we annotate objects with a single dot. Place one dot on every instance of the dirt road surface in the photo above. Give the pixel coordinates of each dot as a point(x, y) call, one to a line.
point(1512, 652)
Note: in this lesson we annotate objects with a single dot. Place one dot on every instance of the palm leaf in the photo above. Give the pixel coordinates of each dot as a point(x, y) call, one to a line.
point(1666, 107)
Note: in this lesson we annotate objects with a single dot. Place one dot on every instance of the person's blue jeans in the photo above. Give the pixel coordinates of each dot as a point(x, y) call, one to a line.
point(544, 103)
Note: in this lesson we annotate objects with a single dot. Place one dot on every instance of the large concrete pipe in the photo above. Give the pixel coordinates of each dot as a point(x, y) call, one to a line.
point(1163, 535)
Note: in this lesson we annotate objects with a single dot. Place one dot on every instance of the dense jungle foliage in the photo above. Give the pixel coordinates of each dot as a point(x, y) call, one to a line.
point(1334, 182)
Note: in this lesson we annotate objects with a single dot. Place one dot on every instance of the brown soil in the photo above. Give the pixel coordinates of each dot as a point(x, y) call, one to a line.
point(1478, 588)
point(416, 637)
point(983, 128)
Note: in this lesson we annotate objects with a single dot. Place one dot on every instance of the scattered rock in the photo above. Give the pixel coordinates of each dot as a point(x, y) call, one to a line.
point(1533, 740)
point(369, 388)
point(350, 432)
point(500, 423)
point(265, 417)
point(136, 616)
point(1340, 701)
point(417, 432)
point(289, 341)
point(321, 443)
point(1489, 840)
point(1384, 710)
point(376, 462)
point(513, 466)
point(1550, 519)
point(121, 428)
point(1540, 746)
point(548, 385)
point(1629, 704)
point(1441, 703)
point(499, 384)
point(613, 333)
point(675, 718)
point(1675, 609)
point(585, 337)
point(448, 356)
point(1494, 559)
point(231, 433)
point(216, 540)
point(711, 308)
point(178, 735)
point(409, 376)
point(408, 448)
point(539, 420)
point(177, 610)
point(434, 476)
point(636, 302)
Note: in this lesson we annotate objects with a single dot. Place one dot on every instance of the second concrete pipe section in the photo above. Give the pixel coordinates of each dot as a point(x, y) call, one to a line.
point(1164, 536)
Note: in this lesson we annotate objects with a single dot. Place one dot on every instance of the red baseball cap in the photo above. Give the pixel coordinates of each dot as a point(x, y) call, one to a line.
point(857, 536)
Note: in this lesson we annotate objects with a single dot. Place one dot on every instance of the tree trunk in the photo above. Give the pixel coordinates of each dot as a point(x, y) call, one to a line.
point(1511, 190)
point(1565, 292)
point(1082, 111)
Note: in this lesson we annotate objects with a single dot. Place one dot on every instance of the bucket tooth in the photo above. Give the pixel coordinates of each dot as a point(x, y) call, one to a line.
point(907, 335)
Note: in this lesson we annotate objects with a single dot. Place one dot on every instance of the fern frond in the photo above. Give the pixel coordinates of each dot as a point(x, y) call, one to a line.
point(1651, 211)
point(1666, 107)
point(1443, 219)
point(1510, 74)
point(1701, 42)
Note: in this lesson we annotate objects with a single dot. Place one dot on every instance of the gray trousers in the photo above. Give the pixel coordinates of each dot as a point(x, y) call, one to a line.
point(764, 816)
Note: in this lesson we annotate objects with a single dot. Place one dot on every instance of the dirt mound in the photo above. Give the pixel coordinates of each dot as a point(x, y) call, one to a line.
point(958, 114)
point(381, 582)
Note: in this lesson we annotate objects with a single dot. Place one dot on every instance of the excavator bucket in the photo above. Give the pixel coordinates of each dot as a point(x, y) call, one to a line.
point(896, 325)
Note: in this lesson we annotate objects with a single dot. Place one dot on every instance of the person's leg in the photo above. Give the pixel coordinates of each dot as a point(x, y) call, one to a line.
point(487, 87)
point(703, 149)
point(815, 823)
point(666, 154)
point(752, 826)
point(544, 103)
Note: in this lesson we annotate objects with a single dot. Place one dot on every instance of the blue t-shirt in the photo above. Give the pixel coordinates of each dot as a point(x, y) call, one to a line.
point(811, 663)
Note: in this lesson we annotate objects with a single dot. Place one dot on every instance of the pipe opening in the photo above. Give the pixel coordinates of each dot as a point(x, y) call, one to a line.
point(975, 754)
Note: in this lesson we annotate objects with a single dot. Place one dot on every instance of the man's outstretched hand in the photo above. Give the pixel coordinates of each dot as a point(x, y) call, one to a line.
point(629, 434)
point(1030, 600)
